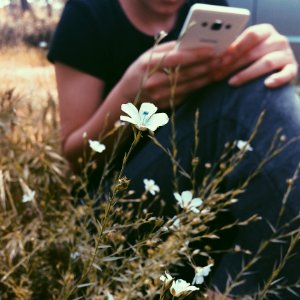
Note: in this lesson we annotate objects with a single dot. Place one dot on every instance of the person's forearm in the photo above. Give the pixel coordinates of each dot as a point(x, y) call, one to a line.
point(101, 123)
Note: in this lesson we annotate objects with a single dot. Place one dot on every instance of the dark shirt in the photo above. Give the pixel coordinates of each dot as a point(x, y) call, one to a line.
point(95, 36)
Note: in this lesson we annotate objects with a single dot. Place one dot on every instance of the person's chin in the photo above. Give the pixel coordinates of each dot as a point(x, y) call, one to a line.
point(170, 4)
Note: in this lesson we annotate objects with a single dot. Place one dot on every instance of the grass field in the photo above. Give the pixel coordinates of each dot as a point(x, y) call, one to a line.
point(28, 72)
point(51, 249)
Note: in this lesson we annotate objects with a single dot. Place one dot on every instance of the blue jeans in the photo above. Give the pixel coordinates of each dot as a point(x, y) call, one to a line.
point(227, 114)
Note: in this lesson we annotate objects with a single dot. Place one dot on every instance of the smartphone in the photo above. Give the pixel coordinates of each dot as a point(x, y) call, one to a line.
point(212, 26)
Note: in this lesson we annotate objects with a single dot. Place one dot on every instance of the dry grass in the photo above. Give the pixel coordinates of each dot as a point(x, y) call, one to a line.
point(28, 72)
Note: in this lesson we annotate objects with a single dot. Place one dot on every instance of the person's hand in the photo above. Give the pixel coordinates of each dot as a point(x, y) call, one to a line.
point(259, 50)
point(156, 73)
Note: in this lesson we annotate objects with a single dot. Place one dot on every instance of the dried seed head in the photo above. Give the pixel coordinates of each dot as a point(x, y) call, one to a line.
point(195, 161)
point(122, 184)
point(222, 166)
point(282, 138)
point(207, 165)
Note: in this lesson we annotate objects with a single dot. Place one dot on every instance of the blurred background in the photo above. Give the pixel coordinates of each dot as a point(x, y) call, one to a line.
point(284, 15)
point(28, 21)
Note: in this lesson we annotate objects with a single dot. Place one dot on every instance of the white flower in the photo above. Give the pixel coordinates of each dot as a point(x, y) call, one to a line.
point(74, 255)
point(145, 118)
point(200, 273)
point(151, 187)
point(96, 146)
point(28, 197)
point(166, 279)
point(109, 296)
point(176, 224)
point(242, 145)
point(180, 287)
point(186, 201)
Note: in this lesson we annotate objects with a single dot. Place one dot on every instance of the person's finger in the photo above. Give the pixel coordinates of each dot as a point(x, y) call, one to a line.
point(192, 85)
point(247, 41)
point(169, 46)
point(268, 63)
point(251, 37)
point(193, 71)
point(285, 75)
point(272, 44)
point(160, 92)
point(175, 58)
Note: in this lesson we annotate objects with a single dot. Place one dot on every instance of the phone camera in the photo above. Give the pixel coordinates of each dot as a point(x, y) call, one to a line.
point(217, 25)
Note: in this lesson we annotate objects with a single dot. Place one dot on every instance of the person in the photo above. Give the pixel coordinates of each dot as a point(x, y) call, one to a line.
point(103, 48)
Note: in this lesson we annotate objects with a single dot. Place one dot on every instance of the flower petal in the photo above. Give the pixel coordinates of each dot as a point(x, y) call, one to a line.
point(96, 146)
point(176, 224)
point(131, 111)
point(155, 189)
point(198, 279)
point(242, 145)
point(147, 109)
point(187, 197)
point(180, 287)
point(177, 197)
point(169, 277)
point(128, 119)
point(148, 182)
point(192, 288)
point(166, 278)
point(205, 270)
point(156, 121)
point(195, 210)
point(150, 186)
point(200, 272)
point(196, 202)
point(28, 197)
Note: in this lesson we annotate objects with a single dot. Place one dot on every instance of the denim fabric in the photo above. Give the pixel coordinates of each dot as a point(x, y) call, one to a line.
point(228, 114)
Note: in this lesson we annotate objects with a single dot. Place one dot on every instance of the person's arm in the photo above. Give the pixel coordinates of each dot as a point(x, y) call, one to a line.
point(259, 50)
point(80, 95)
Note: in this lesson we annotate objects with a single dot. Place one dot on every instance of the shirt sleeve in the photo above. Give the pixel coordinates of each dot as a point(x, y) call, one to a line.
point(76, 41)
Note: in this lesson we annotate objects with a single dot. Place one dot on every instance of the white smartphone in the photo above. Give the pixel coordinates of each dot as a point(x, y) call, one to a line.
point(212, 26)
